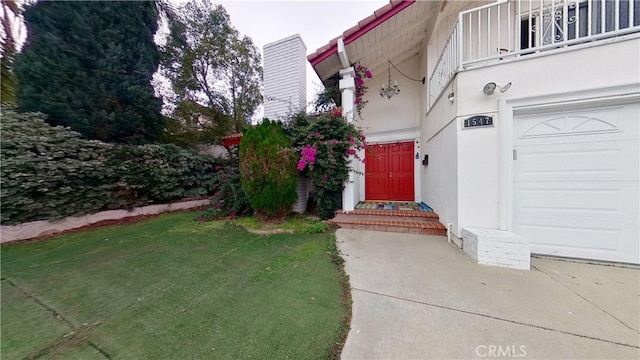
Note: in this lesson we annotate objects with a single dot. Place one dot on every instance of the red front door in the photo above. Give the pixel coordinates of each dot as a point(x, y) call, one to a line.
point(389, 172)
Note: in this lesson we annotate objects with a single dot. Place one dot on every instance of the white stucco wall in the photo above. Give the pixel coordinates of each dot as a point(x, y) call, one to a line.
point(439, 133)
point(439, 185)
point(402, 111)
point(478, 171)
point(588, 70)
point(585, 73)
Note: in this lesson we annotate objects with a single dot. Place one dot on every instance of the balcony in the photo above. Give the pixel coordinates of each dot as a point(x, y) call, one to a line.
point(510, 30)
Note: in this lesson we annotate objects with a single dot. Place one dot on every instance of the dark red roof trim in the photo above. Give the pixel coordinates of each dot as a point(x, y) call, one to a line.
point(368, 25)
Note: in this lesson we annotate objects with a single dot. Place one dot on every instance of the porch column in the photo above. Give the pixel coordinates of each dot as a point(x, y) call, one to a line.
point(350, 194)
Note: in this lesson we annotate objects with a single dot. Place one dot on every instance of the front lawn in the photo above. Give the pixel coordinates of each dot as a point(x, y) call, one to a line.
point(171, 288)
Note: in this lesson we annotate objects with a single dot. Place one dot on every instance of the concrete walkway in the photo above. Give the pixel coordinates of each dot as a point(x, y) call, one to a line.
point(418, 297)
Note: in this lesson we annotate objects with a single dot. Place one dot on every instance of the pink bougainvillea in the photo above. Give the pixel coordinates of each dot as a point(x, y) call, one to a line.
point(362, 73)
point(308, 155)
point(328, 145)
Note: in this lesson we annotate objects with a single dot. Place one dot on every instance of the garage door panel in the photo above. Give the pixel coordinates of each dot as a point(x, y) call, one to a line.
point(599, 234)
point(577, 182)
point(595, 237)
point(600, 240)
point(577, 162)
point(605, 124)
point(577, 200)
point(597, 243)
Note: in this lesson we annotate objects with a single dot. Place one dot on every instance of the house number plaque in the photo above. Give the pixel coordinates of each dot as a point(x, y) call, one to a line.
point(478, 121)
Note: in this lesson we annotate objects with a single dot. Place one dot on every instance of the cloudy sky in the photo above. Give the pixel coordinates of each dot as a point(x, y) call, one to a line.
point(317, 22)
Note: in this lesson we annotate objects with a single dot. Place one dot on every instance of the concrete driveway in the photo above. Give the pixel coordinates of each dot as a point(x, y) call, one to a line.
point(418, 297)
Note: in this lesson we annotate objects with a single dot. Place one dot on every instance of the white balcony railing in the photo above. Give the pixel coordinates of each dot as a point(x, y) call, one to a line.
point(447, 65)
point(509, 29)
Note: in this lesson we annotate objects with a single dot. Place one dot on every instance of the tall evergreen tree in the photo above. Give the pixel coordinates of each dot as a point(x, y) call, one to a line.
point(88, 65)
point(10, 19)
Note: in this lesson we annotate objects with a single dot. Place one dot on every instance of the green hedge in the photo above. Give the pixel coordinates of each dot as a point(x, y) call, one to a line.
point(161, 173)
point(51, 172)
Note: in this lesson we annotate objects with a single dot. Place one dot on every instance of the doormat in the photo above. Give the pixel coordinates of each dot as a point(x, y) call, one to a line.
point(392, 205)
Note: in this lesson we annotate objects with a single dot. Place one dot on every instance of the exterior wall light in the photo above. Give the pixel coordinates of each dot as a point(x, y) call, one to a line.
point(505, 87)
point(491, 87)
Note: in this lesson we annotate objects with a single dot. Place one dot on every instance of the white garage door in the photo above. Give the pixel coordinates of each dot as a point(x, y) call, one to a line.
point(576, 182)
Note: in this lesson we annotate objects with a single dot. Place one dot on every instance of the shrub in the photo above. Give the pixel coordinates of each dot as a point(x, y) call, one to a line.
point(161, 173)
point(268, 171)
point(51, 172)
point(229, 200)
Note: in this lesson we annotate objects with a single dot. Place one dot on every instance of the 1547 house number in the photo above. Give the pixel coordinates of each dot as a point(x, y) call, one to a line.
point(477, 121)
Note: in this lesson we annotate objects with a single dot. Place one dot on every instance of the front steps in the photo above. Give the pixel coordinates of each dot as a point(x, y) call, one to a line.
point(411, 222)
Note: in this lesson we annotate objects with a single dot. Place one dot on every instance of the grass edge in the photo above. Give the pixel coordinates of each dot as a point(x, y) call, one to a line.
point(347, 301)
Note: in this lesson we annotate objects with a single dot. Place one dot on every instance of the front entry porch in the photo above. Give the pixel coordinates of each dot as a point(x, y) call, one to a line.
point(390, 216)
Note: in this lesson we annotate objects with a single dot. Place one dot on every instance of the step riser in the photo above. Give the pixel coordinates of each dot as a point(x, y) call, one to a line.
point(392, 213)
point(389, 222)
point(394, 229)
point(392, 221)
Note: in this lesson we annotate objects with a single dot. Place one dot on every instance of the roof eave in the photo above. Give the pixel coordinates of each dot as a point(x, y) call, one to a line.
point(381, 15)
